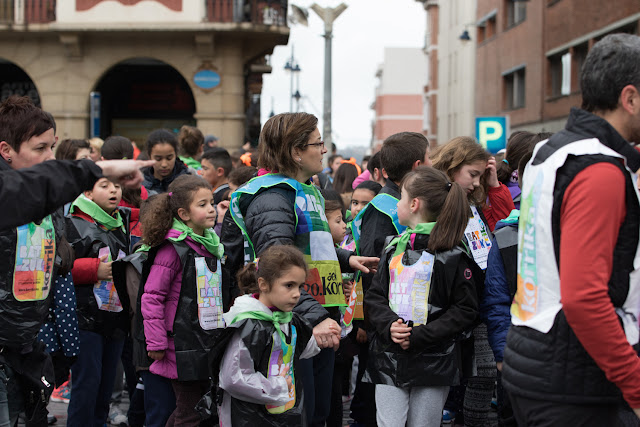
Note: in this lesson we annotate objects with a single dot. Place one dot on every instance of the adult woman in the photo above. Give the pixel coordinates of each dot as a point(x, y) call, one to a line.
point(162, 146)
point(282, 206)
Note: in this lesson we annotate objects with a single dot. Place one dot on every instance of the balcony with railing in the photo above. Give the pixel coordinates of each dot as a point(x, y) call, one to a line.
point(260, 12)
point(27, 11)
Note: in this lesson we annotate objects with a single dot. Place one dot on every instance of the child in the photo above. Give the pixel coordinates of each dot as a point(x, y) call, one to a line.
point(98, 231)
point(362, 195)
point(162, 146)
point(119, 147)
point(520, 143)
point(400, 153)
point(191, 142)
point(421, 303)
point(258, 372)
point(216, 167)
point(183, 269)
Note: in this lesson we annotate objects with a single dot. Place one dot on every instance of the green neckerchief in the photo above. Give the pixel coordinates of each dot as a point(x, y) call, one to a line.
point(97, 213)
point(277, 318)
point(191, 162)
point(402, 240)
point(210, 240)
point(512, 218)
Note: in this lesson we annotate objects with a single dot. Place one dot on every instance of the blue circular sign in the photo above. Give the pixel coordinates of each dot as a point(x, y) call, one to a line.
point(206, 79)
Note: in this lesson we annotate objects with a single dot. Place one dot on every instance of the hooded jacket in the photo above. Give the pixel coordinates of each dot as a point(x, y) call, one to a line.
point(432, 357)
point(251, 394)
point(157, 186)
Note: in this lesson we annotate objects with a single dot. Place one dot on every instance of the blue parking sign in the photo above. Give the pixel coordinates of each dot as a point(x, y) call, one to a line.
point(492, 132)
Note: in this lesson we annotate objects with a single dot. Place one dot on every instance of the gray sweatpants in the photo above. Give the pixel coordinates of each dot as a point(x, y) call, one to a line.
point(413, 407)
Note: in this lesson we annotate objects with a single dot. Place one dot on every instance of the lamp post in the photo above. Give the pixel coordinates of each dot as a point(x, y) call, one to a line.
point(293, 67)
point(328, 15)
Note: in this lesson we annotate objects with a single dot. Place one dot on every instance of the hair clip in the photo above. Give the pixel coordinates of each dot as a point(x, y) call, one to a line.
point(506, 161)
point(255, 261)
point(448, 186)
point(170, 193)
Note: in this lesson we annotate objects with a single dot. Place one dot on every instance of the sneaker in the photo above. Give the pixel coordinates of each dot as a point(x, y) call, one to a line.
point(62, 393)
point(116, 417)
point(448, 417)
point(51, 419)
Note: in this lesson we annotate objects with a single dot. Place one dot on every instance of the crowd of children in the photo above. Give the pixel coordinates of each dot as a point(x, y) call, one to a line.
point(243, 296)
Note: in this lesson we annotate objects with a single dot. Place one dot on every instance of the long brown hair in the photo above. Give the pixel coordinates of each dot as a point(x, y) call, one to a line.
point(273, 262)
point(157, 212)
point(279, 136)
point(520, 143)
point(445, 202)
point(459, 152)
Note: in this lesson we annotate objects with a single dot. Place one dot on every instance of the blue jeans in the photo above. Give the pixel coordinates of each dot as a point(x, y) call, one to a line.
point(10, 397)
point(317, 379)
point(93, 377)
point(159, 399)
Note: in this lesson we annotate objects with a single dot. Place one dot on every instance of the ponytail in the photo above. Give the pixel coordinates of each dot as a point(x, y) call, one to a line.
point(155, 219)
point(445, 203)
point(520, 143)
point(247, 279)
point(452, 220)
point(157, 212)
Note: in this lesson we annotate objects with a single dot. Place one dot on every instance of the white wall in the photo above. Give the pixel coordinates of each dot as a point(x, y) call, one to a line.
point(403, 71)
point(146, 11)
point(456, 70)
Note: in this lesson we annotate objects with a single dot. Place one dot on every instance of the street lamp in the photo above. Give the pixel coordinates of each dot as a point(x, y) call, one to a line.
point(328, 15)
point(293, 67)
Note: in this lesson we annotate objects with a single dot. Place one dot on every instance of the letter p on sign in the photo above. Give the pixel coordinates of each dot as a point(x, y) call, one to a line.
point(492, 132)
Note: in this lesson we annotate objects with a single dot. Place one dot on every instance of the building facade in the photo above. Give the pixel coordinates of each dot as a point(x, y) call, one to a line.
point(399, 95)
point(529, 55)
point(142, 64)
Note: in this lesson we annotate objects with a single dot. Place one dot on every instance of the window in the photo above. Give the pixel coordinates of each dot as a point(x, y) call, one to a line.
point(514, 89)
point(486, 28)
point(560, 70)
point(516, 12)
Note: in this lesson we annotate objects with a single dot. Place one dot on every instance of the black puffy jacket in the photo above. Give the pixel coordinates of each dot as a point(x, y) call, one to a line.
point(270, 219)
point(432, 357)
point(156, 186)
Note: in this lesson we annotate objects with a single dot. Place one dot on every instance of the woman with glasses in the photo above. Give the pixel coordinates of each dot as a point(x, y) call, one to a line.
point(282, 206)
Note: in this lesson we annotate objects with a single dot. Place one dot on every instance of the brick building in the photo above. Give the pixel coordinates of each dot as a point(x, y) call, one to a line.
point(529, 54)
point(155, 63)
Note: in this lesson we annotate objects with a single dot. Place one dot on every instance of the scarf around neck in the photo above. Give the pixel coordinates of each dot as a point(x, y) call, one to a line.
point(209, 240)
point(110, 222)
point(402, 240)
point(277, 318)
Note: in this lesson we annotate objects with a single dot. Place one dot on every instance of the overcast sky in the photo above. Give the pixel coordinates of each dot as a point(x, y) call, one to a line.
point(360, 35)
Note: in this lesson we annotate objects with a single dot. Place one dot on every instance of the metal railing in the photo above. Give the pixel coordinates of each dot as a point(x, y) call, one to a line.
point(264, 12)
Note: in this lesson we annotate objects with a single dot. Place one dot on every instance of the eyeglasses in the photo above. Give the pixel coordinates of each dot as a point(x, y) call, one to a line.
point(316, 144)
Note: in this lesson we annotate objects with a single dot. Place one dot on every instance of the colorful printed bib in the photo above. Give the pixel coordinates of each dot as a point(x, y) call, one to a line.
point(105, 290)
point(281, 364)
point(313, 236)
point(35, 257)
point(409, 287)
point(209, 291)
point(478, 239)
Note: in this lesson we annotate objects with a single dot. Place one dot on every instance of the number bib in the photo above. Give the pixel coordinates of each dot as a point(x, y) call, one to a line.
point(478, 239)
point(35, 257)
point(105, 291)
point(281, 364)
point(409, 288)
point(209, 292)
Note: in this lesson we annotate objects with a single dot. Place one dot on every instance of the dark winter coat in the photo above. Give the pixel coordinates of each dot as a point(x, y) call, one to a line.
point(156, 186)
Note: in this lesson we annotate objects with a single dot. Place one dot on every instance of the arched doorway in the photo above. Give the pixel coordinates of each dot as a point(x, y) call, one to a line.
point(142, 94)
point(14, 81)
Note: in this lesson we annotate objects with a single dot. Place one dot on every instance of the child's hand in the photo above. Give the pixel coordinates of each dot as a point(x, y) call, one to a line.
point(221, 210)
point(361, 336)
point(104, 269)
point(347, 287)
point(405, 344)
point(400, 332)
point(156, 355)
point(492, 173)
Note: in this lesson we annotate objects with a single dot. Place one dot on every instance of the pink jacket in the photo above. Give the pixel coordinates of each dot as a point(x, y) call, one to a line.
point(160, 302)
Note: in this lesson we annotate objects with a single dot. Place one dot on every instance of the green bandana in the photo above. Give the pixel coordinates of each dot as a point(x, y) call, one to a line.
point(97, 213)
point(402, 240)
point(210, 240)
point(277, 318)
point(191, 162)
